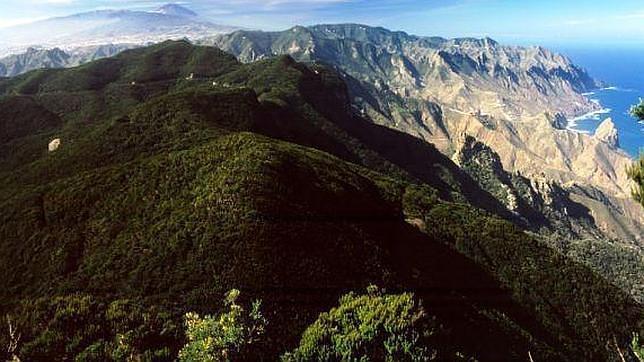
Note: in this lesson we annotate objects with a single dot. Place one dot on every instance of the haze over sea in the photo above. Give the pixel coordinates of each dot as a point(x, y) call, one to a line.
point(623, 71)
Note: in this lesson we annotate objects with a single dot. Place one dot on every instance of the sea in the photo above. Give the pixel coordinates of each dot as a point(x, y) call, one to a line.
point(623, 72)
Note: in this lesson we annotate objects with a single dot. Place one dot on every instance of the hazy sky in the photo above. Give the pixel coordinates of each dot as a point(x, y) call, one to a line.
point(549, 22)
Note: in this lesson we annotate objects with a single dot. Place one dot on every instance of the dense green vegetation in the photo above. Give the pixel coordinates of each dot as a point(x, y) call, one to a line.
point(167, 192)
point(383, 327)
point(223, 337)
point(82, 327)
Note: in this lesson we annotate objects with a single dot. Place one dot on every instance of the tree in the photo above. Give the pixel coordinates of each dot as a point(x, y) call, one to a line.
point(638, 110)
point(222, 337)
point(636, 172)
point(374, 326)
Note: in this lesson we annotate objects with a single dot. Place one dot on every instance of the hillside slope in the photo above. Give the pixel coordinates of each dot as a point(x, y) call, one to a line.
point(182, 173)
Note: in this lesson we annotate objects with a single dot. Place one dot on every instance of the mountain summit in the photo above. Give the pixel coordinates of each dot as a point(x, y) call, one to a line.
point(175, 10)
point(171, 21)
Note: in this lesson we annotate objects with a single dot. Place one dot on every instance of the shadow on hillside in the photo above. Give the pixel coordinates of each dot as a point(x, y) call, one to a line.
point(452, 287)
point(415, 156)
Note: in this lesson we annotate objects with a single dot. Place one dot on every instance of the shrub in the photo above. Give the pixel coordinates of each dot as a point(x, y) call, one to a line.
point(222, 337)
point(374, 326)
point(636, 173)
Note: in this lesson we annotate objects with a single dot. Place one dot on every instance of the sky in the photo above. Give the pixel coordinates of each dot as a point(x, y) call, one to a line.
point(543, 22)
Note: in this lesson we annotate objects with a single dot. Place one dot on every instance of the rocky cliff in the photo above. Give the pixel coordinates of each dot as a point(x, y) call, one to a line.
point(607, 133)
point(570, 218)
point(469, 74)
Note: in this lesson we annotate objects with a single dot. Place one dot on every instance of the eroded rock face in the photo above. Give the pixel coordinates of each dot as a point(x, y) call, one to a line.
point(607, 133)
point(467, 74)
point(540, 203)
point(558, 121)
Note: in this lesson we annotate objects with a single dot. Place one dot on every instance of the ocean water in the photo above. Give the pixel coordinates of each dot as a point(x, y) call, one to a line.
point(623, 71)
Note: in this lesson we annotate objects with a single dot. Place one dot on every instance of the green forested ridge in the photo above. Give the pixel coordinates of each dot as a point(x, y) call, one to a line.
point(167, 192)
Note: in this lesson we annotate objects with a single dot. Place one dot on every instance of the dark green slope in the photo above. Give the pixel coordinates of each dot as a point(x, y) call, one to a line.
point(167, 192)
point(279, 222)
point(167, 61)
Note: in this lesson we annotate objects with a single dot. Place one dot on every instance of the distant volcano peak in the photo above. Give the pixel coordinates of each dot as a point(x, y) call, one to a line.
point(175, 10)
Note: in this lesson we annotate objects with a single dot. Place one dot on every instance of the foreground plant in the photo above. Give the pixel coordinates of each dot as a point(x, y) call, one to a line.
point(375, 326)
point(222, 337)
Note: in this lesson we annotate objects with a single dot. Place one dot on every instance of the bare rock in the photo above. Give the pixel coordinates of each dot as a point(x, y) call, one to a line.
point(607, 132)
point(54, 144)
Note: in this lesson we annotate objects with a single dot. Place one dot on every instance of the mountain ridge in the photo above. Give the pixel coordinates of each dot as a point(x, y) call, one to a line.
point(449, 91)
point(513, 99)
point(182, 173)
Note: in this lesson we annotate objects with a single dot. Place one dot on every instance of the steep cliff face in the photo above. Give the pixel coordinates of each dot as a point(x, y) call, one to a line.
point(513, 99)
point(543, 205)
point(607, 133)
point(421, 85)
point(569, 210)
point(533, 147)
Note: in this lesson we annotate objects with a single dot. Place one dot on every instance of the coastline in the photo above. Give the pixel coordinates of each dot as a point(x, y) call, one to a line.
point(612, 102)
point(593, 115)
point(573, 123)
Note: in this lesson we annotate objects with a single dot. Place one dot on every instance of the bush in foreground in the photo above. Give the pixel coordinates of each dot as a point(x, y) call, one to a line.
point(222, 337)
point(374, 326)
